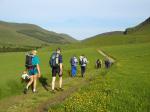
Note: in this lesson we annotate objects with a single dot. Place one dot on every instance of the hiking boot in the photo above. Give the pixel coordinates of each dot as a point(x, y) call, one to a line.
point(34, 91)
point(57, 89)
point(53, 91)
point(25, 91)
point(61, 89)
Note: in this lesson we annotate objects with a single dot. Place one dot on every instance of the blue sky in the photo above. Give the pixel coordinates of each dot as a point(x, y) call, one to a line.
point(78, 18)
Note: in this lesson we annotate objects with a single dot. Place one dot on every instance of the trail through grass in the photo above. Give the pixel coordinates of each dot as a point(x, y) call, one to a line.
point(19, 102)
point(38, 101)
point(125, 87)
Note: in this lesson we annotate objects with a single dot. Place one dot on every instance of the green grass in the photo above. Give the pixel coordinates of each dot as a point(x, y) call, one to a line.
point(130, 77)
point(117, 39)
point(13, 66)
point(124, 88)
point(11, 81)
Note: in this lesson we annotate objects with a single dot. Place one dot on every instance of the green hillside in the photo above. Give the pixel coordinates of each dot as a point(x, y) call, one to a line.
point(125, 86)
point(29, 35)
point(143, 28)
point(137, 34)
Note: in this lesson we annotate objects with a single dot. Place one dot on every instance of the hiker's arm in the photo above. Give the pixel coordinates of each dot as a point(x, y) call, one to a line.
point(38, 68)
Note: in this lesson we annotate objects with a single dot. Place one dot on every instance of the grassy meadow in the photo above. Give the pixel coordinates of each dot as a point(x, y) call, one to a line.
point(13, 66)
point(124, 87)
point(12, 81)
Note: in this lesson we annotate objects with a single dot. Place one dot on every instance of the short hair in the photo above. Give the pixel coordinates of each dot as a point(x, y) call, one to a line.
point(58, 49)
point(34, 51)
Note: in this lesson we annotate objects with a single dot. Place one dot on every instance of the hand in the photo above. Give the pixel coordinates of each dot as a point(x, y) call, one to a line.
point(39, 75)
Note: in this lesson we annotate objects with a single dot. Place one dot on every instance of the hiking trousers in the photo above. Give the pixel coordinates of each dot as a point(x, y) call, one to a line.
point(73, 71)
point(83, 68)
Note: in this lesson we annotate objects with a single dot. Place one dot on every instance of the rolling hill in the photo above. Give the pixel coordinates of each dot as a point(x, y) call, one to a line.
point(16, 35)
point(124, 86)
point(137, 34)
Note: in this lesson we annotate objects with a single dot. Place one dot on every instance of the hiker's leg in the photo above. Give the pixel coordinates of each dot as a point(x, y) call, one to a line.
point(82, 71)
point(72, 71)
point(34, 82)
point(54, 71)
point(107, 65)
point(30, 82)
point(75, 71)
point(53, 82)
point(60, 82)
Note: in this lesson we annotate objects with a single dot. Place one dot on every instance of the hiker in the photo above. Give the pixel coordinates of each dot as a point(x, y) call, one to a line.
point(83, 63)
point(98, 63)
point(33, 68)
point(73, 62)
point(107, 63)
point(57, 68)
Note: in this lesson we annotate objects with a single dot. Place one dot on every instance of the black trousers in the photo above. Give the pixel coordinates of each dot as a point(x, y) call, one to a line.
point(83, 68)
point(98, 65)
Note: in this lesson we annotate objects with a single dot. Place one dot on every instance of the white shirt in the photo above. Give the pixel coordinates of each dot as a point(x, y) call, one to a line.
point(76, 61)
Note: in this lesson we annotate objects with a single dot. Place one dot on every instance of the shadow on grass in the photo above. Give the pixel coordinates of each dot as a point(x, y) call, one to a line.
point(44, 83)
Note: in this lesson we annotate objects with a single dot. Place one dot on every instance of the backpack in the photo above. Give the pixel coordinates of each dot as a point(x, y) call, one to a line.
point(82, 61)
point(73, 61)
point(54, 60)
point(28, 61)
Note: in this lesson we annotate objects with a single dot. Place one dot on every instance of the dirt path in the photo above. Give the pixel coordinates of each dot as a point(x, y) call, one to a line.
point(41, 101)
point(44, 106)
point(106, 55)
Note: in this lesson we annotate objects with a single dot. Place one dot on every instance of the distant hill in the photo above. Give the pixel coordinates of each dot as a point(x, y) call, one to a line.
point(29, 35)
point(142, 28)
point(137, 34)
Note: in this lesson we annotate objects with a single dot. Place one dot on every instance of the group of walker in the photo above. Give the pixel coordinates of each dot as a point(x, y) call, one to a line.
point(82, 62)
point(107, 63)
point(32, 72)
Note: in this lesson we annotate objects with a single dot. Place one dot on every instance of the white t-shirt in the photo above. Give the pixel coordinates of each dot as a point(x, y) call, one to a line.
point(76, 61)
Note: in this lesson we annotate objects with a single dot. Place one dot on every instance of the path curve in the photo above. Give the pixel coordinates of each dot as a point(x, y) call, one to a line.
point(106, 55)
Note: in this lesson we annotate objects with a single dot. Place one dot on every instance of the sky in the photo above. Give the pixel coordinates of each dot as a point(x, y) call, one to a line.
point(79, 18)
